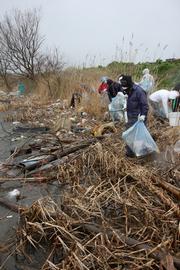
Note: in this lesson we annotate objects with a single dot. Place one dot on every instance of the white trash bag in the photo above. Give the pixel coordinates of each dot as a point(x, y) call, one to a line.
point(117, 106)
point(139, 140)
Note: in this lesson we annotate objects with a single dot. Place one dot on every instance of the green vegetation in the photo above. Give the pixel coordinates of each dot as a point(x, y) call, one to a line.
point(62, 83)
point(166, 73)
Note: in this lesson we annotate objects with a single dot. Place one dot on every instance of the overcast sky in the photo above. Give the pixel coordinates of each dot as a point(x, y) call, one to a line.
point(99, 31)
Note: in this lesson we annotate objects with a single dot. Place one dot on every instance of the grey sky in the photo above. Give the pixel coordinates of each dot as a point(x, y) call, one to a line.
point(92, 31)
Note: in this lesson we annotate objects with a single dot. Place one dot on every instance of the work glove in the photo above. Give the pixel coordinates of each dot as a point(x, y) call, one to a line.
point(141, 117)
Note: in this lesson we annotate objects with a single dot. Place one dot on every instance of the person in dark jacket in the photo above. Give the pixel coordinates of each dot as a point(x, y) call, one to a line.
point(113, 88)
point(137, 105)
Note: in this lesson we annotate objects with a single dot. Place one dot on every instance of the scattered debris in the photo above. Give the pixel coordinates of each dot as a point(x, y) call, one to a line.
point(100, 130)
point(104, 211)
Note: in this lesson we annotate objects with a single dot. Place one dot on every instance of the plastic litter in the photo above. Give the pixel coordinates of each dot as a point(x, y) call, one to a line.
point(21, 88)
point(174, 119)
point(18, 138)
point(139, 140)
point(15, 193)
point(10, 216)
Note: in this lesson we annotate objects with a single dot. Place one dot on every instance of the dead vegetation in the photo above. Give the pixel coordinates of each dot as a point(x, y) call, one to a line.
point(111, 212)
point(113, 215)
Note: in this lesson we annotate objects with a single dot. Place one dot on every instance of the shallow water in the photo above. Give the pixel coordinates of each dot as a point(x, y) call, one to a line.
point(30, 192)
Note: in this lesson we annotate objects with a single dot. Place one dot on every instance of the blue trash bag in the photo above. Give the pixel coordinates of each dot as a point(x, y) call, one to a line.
point(139, 140)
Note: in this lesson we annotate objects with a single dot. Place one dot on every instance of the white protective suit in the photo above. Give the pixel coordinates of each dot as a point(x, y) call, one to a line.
point(160, 98)
point(147, 82)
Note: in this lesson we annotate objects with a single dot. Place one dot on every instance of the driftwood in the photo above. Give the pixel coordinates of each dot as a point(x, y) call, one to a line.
point(158, 255)
point(5, 101)
point(13, 207)
point(47, 167)
point(31, 129)
point(167, 186)
point(33, 164)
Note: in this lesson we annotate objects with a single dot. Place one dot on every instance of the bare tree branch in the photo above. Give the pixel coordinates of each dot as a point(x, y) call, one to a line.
point(20, 42)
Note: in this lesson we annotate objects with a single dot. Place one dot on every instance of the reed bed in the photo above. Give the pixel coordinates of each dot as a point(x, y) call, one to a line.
point(112, 215)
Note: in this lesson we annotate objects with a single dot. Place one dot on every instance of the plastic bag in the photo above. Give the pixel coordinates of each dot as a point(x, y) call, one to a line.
point(139, 140)
point(116, 107)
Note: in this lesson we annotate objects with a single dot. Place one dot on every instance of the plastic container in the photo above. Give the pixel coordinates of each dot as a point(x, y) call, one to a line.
point(174, 119)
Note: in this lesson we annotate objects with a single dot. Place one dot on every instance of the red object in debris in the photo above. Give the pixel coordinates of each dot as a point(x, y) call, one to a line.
point(103, 87)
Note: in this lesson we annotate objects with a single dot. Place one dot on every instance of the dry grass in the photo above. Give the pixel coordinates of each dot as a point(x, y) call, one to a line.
point(4, 107)
point(109, 201)
point(93, 105)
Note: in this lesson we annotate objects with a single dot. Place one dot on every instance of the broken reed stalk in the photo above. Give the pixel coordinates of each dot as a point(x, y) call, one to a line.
point(166, 200)
point(158, 255)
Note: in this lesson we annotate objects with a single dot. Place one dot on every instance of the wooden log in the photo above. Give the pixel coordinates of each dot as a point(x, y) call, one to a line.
point(47, 167)
point(33, 164)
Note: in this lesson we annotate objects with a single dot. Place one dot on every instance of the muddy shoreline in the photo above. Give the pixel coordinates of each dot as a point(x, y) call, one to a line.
point(30, 192)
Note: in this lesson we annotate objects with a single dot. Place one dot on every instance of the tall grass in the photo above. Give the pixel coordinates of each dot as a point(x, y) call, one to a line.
point(64, 83)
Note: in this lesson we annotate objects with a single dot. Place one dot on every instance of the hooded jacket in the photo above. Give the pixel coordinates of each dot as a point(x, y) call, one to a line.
point(137, 102)
point(113, 88)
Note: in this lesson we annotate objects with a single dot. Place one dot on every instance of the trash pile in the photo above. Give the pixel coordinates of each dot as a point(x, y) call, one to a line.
point(108, 212)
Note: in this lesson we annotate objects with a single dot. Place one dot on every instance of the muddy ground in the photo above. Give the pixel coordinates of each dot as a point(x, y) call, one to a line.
point(30, 192)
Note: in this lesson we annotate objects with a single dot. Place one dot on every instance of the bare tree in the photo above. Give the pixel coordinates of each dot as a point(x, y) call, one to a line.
point(4, 66)
point(20, 42)
point(50, 68)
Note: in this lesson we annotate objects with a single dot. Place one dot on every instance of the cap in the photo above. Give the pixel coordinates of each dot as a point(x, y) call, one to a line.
point(104, 79)
point(126, 81)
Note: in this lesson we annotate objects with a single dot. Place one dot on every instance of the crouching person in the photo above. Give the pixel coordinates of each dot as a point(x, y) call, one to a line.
point(75, 100)
point(161, 100)
point(137, 105)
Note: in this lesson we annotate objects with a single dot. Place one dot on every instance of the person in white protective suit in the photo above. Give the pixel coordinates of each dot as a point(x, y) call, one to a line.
point(160, 102)
point(147, 81)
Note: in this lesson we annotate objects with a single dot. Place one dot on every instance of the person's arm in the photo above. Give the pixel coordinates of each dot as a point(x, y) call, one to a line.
point(165, 105)
point(100, 88)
